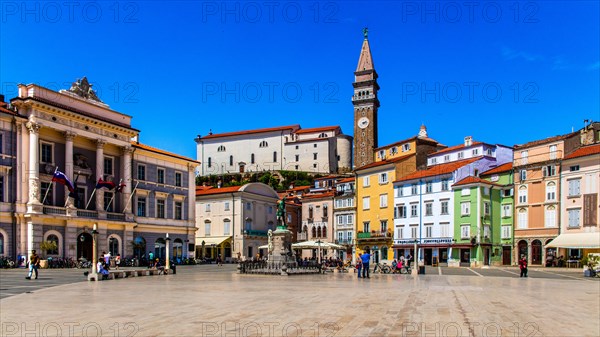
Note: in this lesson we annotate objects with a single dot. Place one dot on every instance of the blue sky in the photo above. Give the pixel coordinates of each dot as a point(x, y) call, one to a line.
point(501, 71)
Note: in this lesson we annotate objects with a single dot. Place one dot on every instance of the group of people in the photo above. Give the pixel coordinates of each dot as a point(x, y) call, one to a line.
point(364, 260)
point(103, 265)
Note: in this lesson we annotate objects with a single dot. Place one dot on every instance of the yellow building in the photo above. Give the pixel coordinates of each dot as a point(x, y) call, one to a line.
point(374, 191)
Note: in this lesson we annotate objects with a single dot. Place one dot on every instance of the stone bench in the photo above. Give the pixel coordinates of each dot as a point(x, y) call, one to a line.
point(125, 273)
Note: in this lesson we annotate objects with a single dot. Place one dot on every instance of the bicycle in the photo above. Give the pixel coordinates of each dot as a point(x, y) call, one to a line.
point(383, 268)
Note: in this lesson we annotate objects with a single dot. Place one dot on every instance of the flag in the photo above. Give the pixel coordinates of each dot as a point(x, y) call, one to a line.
point(62, 179)
point(102, 183)
point(121, 186)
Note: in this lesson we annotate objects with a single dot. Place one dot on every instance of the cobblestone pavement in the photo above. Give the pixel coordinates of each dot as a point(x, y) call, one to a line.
point(214, 301)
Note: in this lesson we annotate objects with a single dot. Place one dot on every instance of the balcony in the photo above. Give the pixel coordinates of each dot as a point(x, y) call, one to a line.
point(54, 210)
point(343, 242)
point(374, 235)
point(82, 213)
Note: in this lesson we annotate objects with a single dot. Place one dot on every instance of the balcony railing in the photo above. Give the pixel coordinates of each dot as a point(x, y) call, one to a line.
point(55, 210)
point(87, 214)
point(343, 242)
point(115, 216)
point(374, 234)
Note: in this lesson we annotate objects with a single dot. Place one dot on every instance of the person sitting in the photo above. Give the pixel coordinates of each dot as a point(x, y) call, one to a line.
point(101, 270)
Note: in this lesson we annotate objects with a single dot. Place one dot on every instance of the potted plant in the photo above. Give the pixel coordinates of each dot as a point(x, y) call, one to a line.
point(45, 247)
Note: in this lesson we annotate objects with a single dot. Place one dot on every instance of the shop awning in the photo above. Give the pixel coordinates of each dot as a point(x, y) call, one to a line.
point(211, 240)
point(576, 241)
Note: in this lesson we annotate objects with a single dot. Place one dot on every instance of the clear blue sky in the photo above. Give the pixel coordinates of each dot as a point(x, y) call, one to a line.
point(506, 72)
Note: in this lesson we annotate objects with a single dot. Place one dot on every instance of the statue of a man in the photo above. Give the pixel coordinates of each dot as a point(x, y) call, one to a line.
point(281, 212)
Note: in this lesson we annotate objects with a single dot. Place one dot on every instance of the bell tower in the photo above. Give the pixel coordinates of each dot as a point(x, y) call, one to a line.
point(365, 103)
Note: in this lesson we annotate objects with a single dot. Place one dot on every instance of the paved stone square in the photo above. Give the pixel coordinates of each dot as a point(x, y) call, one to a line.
point(215, 301)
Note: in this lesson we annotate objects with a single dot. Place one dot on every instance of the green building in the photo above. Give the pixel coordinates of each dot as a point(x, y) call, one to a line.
point(483, 218)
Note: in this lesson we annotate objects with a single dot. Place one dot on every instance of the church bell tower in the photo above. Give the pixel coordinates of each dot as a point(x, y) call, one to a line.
point(365, 103)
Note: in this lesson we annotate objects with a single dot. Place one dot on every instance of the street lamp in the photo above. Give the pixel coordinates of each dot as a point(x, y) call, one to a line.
point(319, 251)
point(167, 253)
point(94, 273)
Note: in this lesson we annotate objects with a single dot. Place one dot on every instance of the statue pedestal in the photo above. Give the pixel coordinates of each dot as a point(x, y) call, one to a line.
point(281, 256)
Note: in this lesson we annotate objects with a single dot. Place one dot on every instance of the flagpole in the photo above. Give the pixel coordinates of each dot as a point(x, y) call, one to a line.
point(88, 203)
point(51, 184)
point(131, 196)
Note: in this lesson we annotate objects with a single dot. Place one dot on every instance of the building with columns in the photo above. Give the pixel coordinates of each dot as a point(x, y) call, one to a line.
point(73, 132)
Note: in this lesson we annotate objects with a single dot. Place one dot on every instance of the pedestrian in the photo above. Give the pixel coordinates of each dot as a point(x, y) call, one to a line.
point(106, 259)
point(219, 261)
point(359, 265)
point(366, 258)
point(408, 260)
point(118, 261)
point(523, 266)
point(34, 264)
point(101, 269)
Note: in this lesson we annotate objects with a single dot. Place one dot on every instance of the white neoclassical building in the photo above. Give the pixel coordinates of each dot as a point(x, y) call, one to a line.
point(316, 150)
point(73, 132)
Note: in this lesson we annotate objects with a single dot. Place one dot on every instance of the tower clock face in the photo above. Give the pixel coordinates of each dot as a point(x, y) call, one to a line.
point(363, 122)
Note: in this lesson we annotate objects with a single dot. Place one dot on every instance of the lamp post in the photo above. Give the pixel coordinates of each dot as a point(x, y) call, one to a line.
point(167, 253)
point(94, 273)
point(319, 251)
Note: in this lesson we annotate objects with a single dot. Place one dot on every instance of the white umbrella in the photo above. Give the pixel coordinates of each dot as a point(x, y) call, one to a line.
point(316, 245)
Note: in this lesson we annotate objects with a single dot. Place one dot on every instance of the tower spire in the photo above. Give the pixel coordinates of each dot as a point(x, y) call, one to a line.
point(365, 62)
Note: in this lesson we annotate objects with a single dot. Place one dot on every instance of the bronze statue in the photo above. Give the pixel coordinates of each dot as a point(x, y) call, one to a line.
point(365, 32)
point(281, 213)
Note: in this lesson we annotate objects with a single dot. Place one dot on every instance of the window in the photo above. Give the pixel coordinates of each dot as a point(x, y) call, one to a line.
point(394, 150)
point(506, 210)
point(109, 203)
point(178, 180)
point(141, 206)
point(226, 227)
point(383, 201)
point(522, 194)
point(434, 161)
point(523, 175)
point(1, 191)
point(549, 171)
point(429, 209)
point(366, 181)
point(221, 149)
point(447, 158)
point(252, 158)
point(52, 238)
point(178, 210)
point(400, 212)
point(366, 203)
point(366, 226)
point(574, 168)
point(263, 144)
point(475, 152)
point(428, 231)
point(486, 191)
point(428, 187)
point(444, 207)
point(413, 189)
point(413, 232)
point(226, 205)
point(465, 231)
point(405, 147)
point(381, 154)
point(325, 210)
point(47, 192)
point(160, 176)
point(398, 191)
point(461, 155)
point(141, 172)
point(383, 178)
point(552, 151)
point(1, 151)
point(465, 191)
point(550, 220)
point(551, 191)
point(207, 207)
point(524, 155)
point(207, 228)
point(574, 187)
point(413, 211)
point(108, 166)
point(297, 157)
point(113, 246)
point(574, 217)
point(289, 218)
point(444, 229)
point(160, 208)
point(507, 192)
point(384, 226)
point(522, 219)
point(489, 152)
point(465, 208)
point(46, 152)
point(444, 184)
point(248, 225)
point(230, 160)
point(506, 232)
point(209, 162)
point(486, 208)
point(81, 198)
point(248, 206)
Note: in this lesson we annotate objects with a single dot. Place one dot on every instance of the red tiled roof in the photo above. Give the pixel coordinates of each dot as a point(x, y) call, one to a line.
point(383, 162)
point(159, 151)
point(456, 147)
point(216, 190)
point(499, 169)
point(300, 188)
point(545, 140)
point(249, 132)
point(321, 129)
point(584, 151)
point(318, 195)
point(438, 169)
point(347, 180)
point(327, 177)
point(474, 180)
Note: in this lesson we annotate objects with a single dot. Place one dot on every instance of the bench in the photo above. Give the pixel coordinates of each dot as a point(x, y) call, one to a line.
point(125, 273)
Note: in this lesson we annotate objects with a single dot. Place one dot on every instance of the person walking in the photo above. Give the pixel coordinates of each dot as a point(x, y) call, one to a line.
point(366, 258)
point(118, 261)
point(523, 266)
point(34, 264)
point(359, 265)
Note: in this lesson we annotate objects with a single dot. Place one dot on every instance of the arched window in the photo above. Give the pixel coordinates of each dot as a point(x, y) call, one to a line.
point(209, 162)
point(252, 158)
point(275, 156)
point(523, 194)
point(139, 247)
point(263, 144)
point(324, 231)
point(536, 252)
point(551, 191)
point(230, 160)
point(159, 248)
point(114, 244)
point(323, 135)
point(221, 149)
point(319, 233)
point(314, 232)
point(177, 249)
point(550, 216)
point(522, 219)
point(305, 229)
point(52, 238)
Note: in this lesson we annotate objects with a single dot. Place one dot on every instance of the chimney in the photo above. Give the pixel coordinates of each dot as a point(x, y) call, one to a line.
point(468, 141)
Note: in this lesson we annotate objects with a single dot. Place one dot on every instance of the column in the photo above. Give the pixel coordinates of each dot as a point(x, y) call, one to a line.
point(69, 136)
point(126, 167)
point(528, 253)
point(100, 174)
point(191, 199)
point(33, 203)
